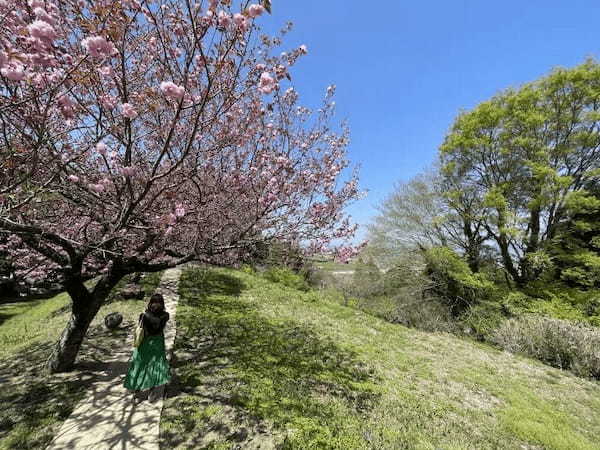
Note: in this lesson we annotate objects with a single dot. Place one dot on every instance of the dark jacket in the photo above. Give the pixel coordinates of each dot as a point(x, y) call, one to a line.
point(154, 324)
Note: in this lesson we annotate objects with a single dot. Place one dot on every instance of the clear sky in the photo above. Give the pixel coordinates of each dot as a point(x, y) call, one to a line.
point(404, 69)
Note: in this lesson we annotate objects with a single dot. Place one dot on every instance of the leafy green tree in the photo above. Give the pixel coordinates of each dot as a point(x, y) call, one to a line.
point(417, 215)
point(521, 155)
point(575, 250)
point(453, 282)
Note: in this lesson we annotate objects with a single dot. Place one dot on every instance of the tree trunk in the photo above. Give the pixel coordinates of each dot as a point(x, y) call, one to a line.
point(84, 307)
point(502, 241)
point(534, 231)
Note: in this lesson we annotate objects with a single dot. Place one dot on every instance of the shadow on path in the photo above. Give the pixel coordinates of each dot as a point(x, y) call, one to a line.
point(32, 399)
point(109, 417)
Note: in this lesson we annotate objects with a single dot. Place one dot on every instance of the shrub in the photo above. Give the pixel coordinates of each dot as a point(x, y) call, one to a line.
point(316, 277)
point(482, 320)
point(559, 343)
point(453, 281)
point(406, 271)
point(275, 254)
point(424, 312)
point(287, 277)
point(367, 280)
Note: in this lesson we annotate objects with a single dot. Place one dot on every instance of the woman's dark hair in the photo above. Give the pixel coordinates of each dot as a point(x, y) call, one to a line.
point(156, 299)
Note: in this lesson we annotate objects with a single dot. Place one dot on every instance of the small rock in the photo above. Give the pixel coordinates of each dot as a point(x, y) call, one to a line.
point(131, 291)
point(113, 320)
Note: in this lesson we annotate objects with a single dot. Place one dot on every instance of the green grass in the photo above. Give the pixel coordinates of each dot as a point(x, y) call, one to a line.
point(34, 403)
point(23, 324)
point(335, 266)
point(261, 365)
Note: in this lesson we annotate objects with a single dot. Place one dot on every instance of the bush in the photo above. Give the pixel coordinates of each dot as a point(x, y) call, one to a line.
point(559, 343)
point(453, 280)
point(316, 277)
point(425, 313)
point(287, 277)
point(405, 272)
point(275, 254)
point(483, 319)
point(367, 280)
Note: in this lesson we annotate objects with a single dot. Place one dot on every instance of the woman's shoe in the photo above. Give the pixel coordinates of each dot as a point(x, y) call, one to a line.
point(138, 396)
point(155, 394)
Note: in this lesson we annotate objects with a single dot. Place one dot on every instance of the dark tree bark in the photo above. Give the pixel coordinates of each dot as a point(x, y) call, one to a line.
point(502, 241)
point(84, 307)
point(534, 231)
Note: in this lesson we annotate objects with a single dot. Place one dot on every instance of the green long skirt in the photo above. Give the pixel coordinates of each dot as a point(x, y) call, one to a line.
point(148, 366)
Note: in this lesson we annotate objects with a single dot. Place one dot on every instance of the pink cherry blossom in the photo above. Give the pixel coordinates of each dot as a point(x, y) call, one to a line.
point(41, 30)
point(66, 106)
point(128, 110)
point(170, 89)
point(35, 3)
point(128, 171)
point(241, 21)
point(224, 19)
point(41, 14)
point(13, 71)
point(196, 182)
point(98, 47)
point(303, 49)
point(267, 83)
point(101, 148)
point(108, 101)
point(255, 10)
point(105, 71)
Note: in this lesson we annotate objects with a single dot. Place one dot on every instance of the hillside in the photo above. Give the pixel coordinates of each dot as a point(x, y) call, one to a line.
point(260, 365)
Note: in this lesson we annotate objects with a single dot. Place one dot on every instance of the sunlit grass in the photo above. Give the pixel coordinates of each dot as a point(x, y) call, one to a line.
point(262, 364)
point(25, 323)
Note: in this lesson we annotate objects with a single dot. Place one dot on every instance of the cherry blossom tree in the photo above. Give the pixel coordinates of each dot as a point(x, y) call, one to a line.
point(138, 135)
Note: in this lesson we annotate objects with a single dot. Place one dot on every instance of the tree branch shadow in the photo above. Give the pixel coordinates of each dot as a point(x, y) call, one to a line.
point(259, 373)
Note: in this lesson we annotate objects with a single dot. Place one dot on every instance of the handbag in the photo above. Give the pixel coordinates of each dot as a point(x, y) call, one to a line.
point(139, 333)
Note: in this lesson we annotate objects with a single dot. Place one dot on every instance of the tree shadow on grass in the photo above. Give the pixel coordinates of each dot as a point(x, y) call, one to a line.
point(34, 402)
point(6, 314)
point(10, 307)
point(238, 371)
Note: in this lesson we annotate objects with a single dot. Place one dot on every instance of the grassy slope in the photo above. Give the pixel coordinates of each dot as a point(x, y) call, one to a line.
point(33, 402)
point(261, 365)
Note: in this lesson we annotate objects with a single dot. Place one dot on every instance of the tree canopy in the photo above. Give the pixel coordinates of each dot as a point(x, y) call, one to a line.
point(510, 171)
point(137, 135)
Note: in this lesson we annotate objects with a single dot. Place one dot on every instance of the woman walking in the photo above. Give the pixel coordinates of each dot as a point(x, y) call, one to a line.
point(149, 367)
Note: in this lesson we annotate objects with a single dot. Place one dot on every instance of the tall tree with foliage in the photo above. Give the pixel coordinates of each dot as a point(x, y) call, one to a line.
point(137, 135)
point(418, 215)
point(575, 248)
point(522, 154)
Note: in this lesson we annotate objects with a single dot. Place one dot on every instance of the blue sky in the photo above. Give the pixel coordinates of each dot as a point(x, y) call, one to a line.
point(404, 69)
